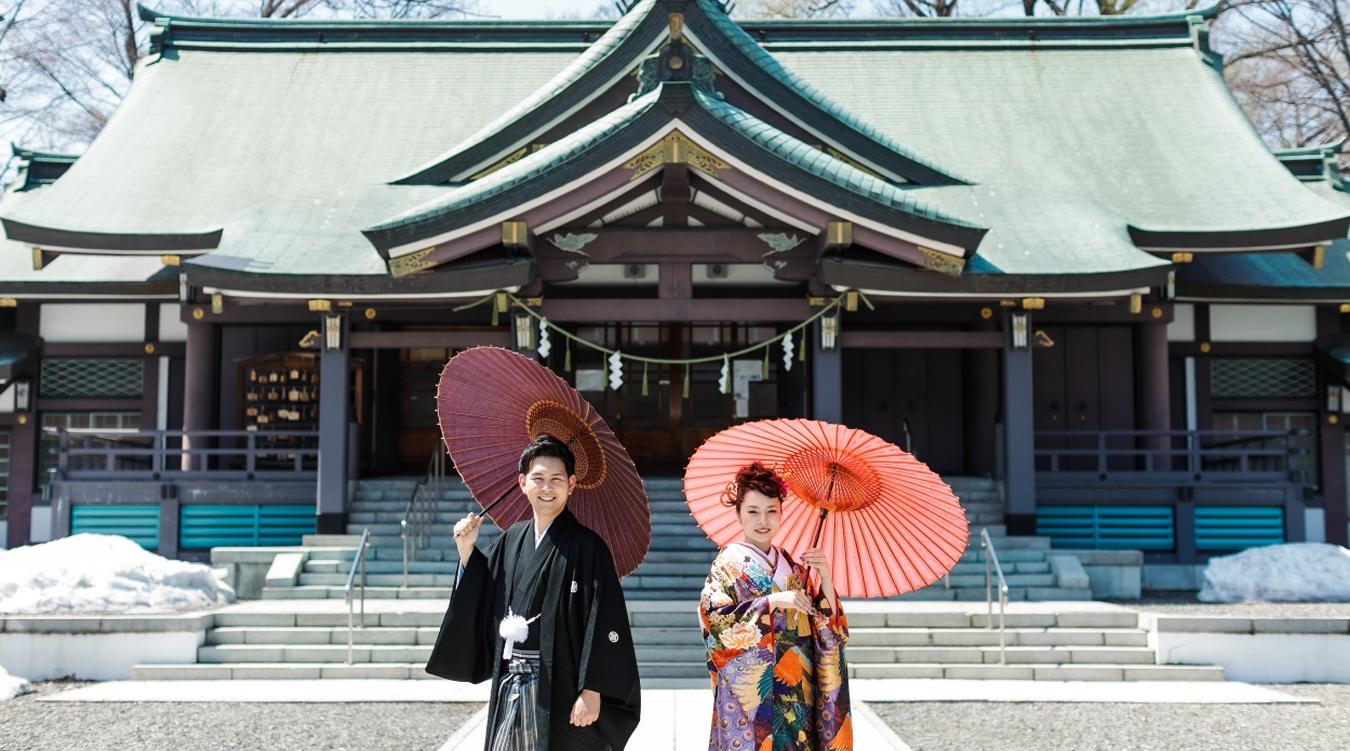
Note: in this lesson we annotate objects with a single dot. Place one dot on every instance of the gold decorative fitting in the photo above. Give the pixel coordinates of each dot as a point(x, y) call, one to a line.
point(344, 303)
point(676, 22)
point(1333, 419)
point(149, 348)
point(1033, 303)
point(320, 306)
point(39, 259)
point(217, 303)
point(23, 419)
point(1345, 307)
point(413, 262)
point(1205, 347)
point(1136, 304)
point(675, 62)
point(1007, 303)
point(515, 234)
point(943, 263)
point(1319, 256)
point(850, 161)
point(675, 148)
point(839, 234)
point(816, 302)
point(370, 314)
point(503, 302)
point(507, 160)
point(8, 302)
point(1183, 257)
point(986, 313)
point(171, 260)
point(534, 302)
point(1156, 313)
point(198, 314)
point(851, 301)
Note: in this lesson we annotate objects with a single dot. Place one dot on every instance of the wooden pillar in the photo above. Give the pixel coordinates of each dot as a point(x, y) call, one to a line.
point(1019, 433)
point(333, 419)
point(23, 448)
point(1331, 445)
point(827, 378)
point(981, 366)
point(1152, 403)
point(200, 396)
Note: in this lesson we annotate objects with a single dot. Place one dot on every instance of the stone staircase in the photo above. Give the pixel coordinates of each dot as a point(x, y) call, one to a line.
point(678, 560)
point(1067, 641)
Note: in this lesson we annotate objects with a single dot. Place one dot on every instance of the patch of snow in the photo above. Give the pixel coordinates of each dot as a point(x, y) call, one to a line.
point(1295, 572)
point(103, 574)
point(11, 685)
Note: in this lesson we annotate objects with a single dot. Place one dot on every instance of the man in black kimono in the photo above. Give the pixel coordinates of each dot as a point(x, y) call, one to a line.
point(567, 677)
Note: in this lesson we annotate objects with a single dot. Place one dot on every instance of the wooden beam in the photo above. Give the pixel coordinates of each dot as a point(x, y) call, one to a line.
point(676, 281)
point(682, 244)
point(922, 339)
point(702, 310)
point(414, 339)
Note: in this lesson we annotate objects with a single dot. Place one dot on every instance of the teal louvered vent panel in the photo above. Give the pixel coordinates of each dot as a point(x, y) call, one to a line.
point(1107, 527)
point(209, 526)
point(140, 524)
point(1238, 527)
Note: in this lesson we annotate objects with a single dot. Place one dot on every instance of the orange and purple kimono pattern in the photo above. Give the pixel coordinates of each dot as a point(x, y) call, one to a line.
point(779, 676)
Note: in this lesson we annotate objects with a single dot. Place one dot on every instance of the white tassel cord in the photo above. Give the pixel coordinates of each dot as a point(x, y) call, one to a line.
point(514, 629)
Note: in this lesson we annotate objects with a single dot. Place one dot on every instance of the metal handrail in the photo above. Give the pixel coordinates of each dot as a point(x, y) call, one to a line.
point(161, 460)
point(992, 567)
point(358, 563)
point(419, 515)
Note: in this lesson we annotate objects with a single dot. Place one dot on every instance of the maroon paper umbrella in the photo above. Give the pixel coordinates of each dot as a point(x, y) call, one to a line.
point(491, 402)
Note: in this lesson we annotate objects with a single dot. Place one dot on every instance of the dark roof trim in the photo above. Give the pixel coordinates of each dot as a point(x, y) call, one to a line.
point(38, 168)
point(55, 239)
point(1259, 239)
point(460, 277)
point(1191, 292)
point(895, 278)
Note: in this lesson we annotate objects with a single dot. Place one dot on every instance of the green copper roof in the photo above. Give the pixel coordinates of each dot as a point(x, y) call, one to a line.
point(1152, 133)
point(1273, 271)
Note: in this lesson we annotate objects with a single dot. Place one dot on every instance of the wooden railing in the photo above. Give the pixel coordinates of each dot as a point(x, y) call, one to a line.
point(1182, 456)
point(92, 454)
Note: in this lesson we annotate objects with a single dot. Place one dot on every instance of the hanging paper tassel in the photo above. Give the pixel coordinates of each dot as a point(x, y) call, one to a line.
point(567, 358)
point(764, 371)
point(495, 319)
point(788, 348)
point(724, 382)
point(801, 352)
point(615, 371)
point(644, 378)
point(545, 347)
point(686, 381)
point(604, 371)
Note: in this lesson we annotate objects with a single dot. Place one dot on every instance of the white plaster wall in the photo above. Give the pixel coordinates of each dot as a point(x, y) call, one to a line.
point(1182, 327)
point(40, 524)
point(95, 657)
point(4, 534)
point(1262, 323)
point(1261, 658)
point(98, 322)
point(1315, 524)
point(171, 326)
point(7, 399)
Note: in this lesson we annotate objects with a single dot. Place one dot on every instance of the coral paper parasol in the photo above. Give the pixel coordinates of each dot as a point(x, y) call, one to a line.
point(887, 523)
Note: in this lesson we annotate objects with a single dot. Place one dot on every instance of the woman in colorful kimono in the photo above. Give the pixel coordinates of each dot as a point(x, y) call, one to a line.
point(775, 635)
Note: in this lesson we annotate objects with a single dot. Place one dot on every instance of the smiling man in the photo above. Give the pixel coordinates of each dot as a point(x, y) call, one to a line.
point(542, 614)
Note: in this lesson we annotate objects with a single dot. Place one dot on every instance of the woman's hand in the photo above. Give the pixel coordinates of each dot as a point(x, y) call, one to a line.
point(586, 710)
point(816, 560)
point(793, 599)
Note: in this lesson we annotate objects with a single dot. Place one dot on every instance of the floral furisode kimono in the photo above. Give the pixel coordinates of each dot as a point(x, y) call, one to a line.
point(779, 676)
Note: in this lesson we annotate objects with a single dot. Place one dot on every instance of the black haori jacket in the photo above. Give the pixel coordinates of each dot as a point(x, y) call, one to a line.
point(584, 638)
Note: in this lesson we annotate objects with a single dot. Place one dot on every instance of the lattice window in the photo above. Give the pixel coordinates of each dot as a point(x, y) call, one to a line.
point(92, 377)
point(1263, 378)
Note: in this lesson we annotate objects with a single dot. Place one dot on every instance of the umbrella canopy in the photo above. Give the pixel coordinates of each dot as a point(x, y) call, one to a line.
point(892, 525)
point(492, 402)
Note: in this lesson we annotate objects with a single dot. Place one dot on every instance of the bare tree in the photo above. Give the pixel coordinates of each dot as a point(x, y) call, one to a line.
point(794, 8)
point(66, 64)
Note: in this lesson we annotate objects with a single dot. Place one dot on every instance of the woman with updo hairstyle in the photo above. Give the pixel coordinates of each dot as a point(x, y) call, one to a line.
point(775, 634)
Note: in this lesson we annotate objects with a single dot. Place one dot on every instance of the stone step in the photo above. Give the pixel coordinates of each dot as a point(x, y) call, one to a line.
point(379, 580)
point(280, 671)
point(321, 635)
point(979, 637)
point(294, 653)
point(321, 592)
point(946, 655)
point(381, 567)
point(1075, 672)
point(1048, 619)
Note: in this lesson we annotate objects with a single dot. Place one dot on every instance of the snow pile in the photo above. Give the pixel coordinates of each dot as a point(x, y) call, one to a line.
point(1297, 572)
point(103, 574)
point(11, 685)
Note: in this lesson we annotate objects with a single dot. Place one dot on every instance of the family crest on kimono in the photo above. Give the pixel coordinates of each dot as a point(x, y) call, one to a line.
point(542, 614)
point(775, 638)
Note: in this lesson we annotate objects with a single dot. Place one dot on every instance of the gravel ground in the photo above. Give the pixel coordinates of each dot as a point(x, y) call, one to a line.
point(28, 724)
point(969, 726)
